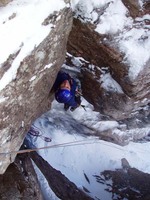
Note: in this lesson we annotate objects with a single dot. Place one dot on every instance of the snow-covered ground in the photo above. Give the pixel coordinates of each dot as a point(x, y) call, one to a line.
point(79, 156)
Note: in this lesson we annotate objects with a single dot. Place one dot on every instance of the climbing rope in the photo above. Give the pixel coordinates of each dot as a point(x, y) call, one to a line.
point(67, 144)
point(80, 142)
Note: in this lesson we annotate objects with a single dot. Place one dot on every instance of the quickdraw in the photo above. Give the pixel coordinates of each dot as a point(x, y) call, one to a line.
point(33, 131)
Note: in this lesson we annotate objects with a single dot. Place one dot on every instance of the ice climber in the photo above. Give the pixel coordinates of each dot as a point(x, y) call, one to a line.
point(67, 90)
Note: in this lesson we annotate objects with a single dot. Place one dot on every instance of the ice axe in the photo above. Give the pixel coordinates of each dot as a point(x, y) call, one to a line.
point(83, 106)
point(79, 93)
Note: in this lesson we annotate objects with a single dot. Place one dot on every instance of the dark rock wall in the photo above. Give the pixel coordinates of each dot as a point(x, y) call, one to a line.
point(20, 181)
point(127, 183)
point(111, 103)
point(88, 45)
point(85, 42)
point(133, 7)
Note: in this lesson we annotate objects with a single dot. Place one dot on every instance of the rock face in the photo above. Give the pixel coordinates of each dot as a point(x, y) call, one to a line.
point(4, 2)
point(26, 97)
point(127, 182)
point(20, 181)
point(133, 7)
point(105, 59)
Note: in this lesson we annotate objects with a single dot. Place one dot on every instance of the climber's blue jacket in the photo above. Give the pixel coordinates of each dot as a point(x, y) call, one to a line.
point(61, 77)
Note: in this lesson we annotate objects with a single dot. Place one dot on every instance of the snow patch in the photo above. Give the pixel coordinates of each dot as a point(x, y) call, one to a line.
point(109, 84)
point(114, 19)
point(33, 78)
point(136, 44)
point(2, 99)
point(48, 66)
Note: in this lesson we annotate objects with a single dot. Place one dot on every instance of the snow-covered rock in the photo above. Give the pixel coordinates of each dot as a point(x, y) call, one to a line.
point(33, 45)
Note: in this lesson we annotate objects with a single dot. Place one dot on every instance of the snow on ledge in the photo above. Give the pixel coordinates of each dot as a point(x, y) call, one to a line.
point(136, 45)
